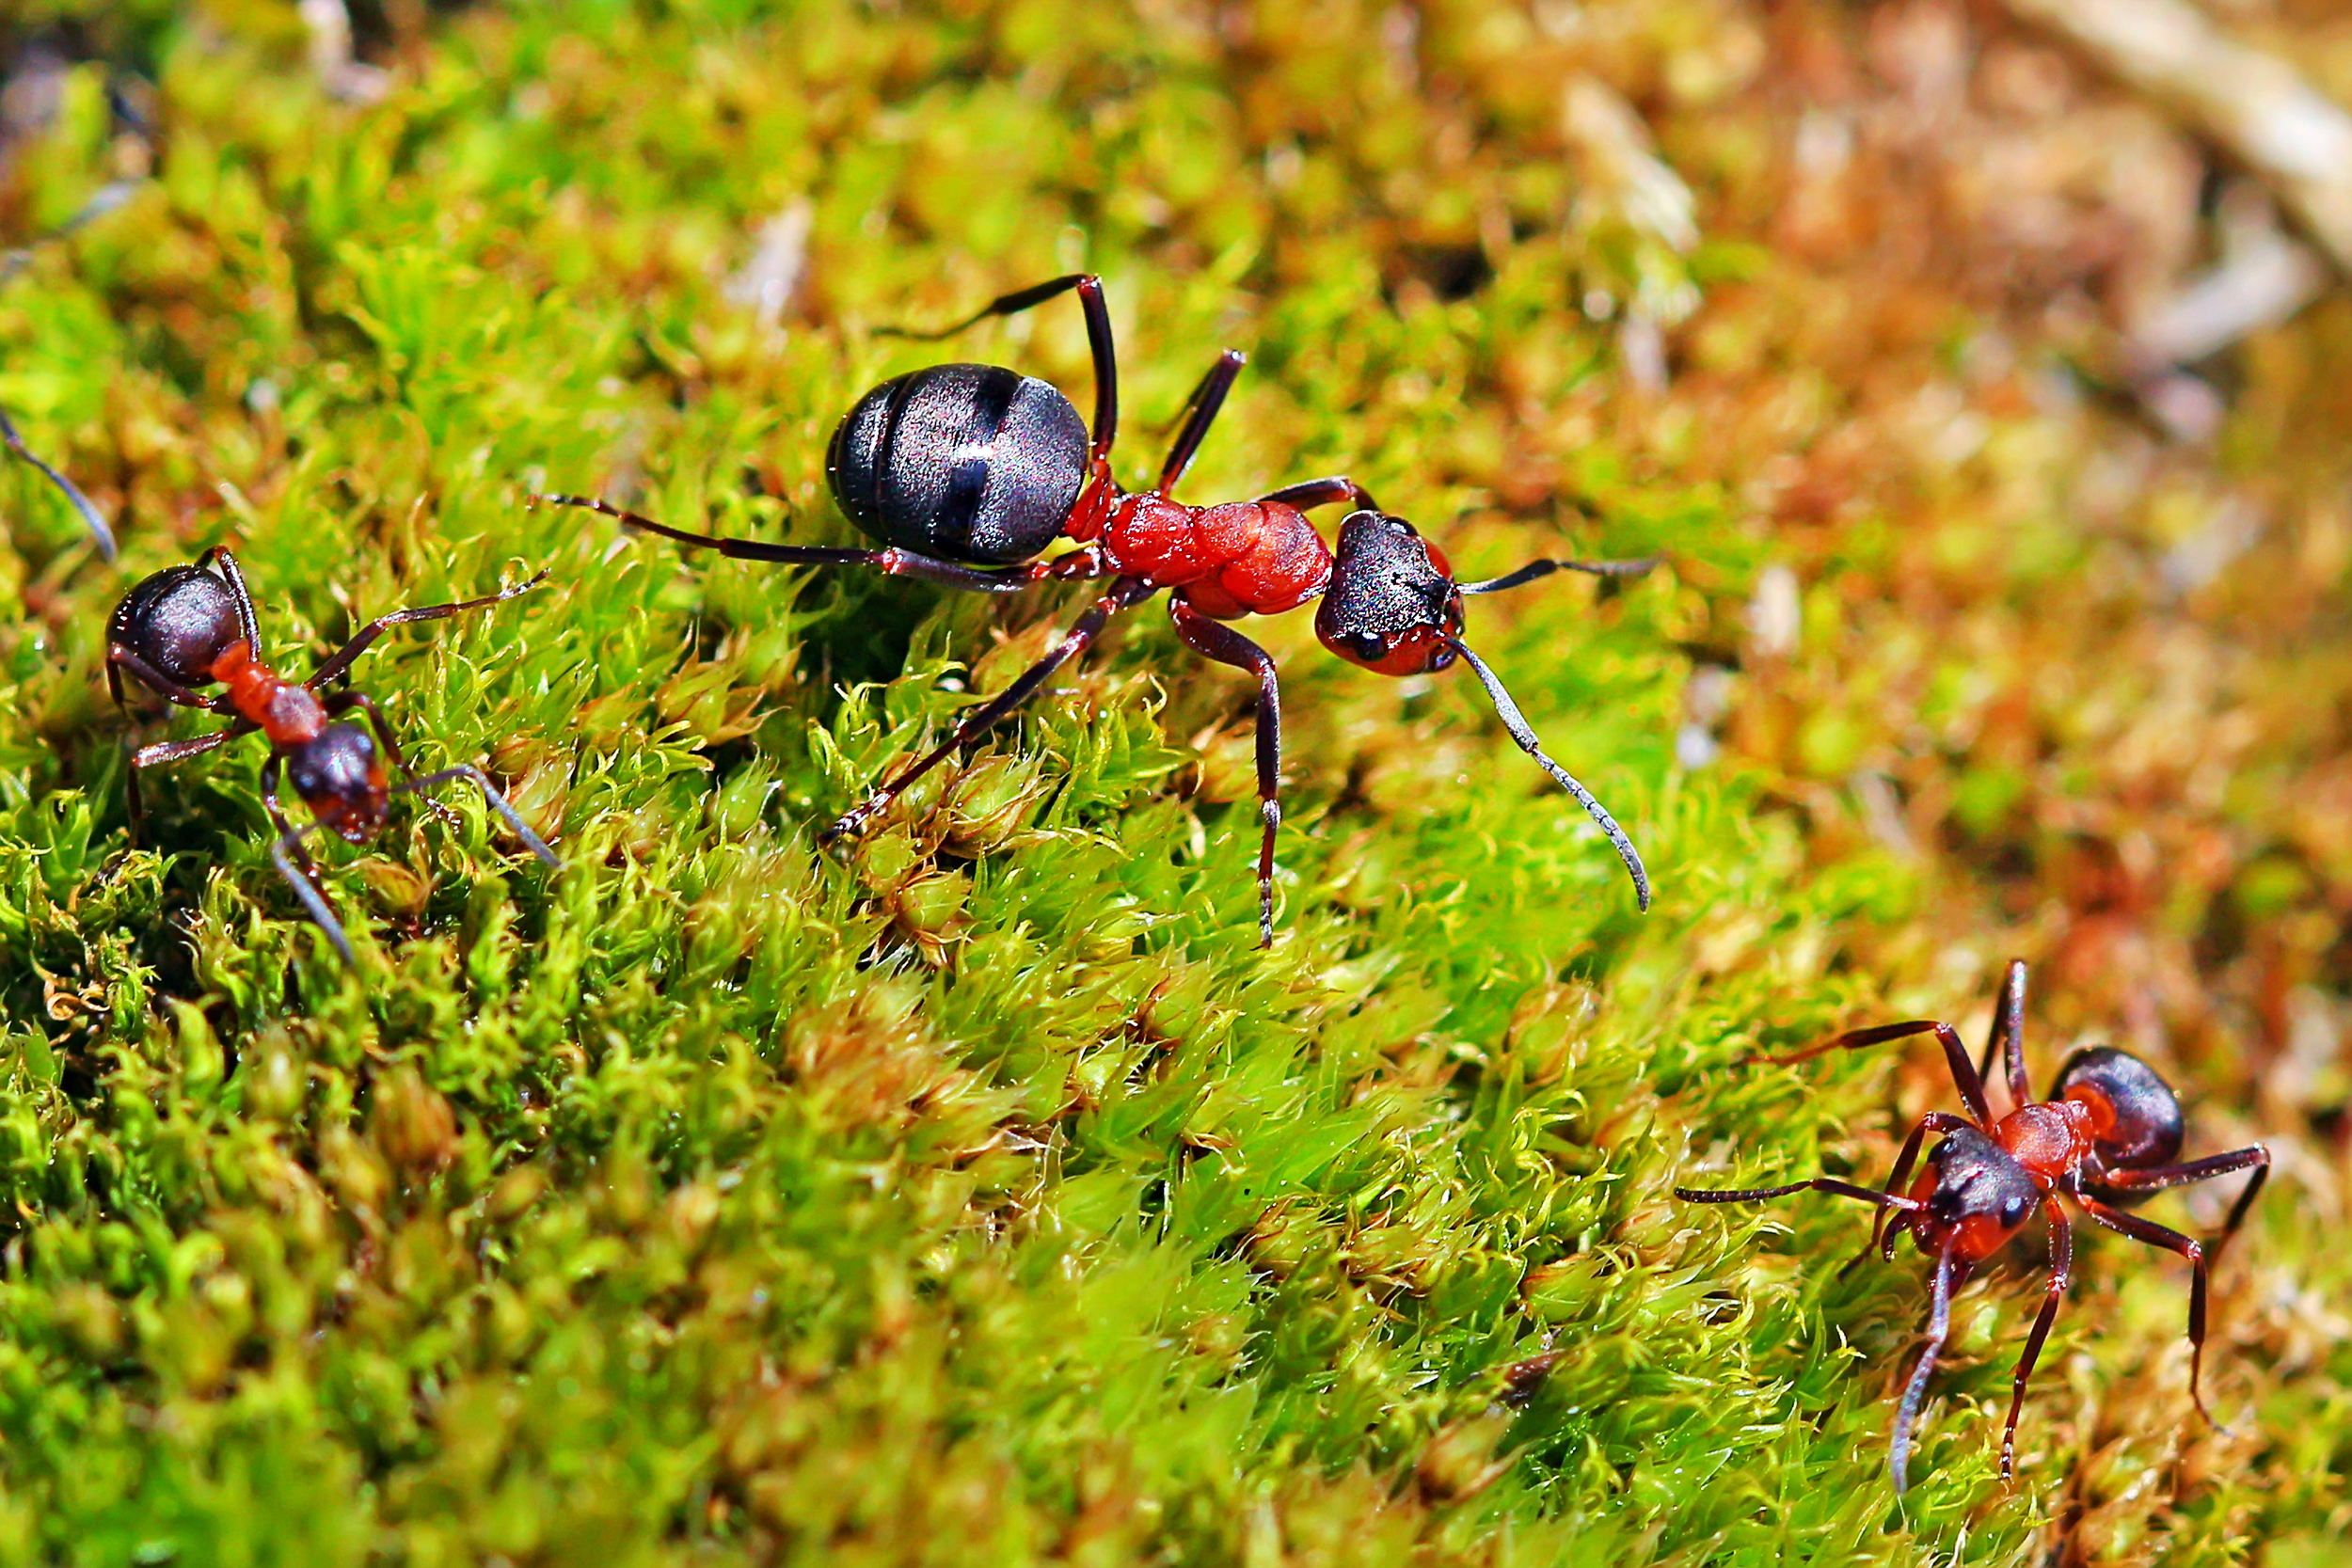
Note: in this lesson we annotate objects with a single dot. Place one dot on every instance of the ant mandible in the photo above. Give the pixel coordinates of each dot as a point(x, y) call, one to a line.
point(965, 472)
point(192, 626)
point(2109, 1138)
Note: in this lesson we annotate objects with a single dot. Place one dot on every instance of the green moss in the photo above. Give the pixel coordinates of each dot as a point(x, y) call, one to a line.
point(981, 1193)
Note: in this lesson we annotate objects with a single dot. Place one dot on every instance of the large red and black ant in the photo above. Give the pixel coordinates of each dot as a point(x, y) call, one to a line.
point(191, 626)
point(963, 471)
point(2108, 1138)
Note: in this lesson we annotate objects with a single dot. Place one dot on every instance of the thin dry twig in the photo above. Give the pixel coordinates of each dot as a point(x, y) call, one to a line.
point(2251, 103)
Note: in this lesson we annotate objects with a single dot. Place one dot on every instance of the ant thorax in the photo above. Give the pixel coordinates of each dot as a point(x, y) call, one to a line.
point(290, 714)
point(2048, 1138)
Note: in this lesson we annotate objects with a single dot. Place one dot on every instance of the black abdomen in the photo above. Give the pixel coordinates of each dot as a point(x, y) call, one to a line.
point(2148, 1125)
point(974, 463)
point(178, 621)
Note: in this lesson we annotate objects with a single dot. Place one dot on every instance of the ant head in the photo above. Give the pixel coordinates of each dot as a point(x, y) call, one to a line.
point(341, 778)
point(180, 621)
point(1974, 1193)
point(1393, 605)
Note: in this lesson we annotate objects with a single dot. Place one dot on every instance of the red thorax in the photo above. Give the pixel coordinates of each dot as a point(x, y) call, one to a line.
point(1239, 558)
point(289, 714)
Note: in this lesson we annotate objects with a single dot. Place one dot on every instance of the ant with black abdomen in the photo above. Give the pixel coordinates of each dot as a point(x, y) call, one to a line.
point(191, 626)
point(2109, 1138)
point(965, 473)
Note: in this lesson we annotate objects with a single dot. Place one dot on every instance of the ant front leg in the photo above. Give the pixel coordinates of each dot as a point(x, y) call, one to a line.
point(2061, 1272)
point(162, 754)
point(341, 659)
point(1081, 564)
point(1214, 639)
point(1098, 314)
point(1124, 593)
point(1964, 1071)
point(1201, 410)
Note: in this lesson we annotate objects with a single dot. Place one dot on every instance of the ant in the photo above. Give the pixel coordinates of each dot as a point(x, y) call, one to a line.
point(2109, 1138)
point(965, 472)
point(192, 626)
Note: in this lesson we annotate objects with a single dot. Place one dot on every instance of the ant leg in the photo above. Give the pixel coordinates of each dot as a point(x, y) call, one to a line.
point(101, 535)
point(2062, 1273)
point(165, 752)
point(2009, 1031)
point(341, 659)
point(1514, 721)
point(234, 577)
point(498, 804)
point(898, 562)
point(1955, 1055)
point(1818, 1184)
point(1124, 593)
point(1201, 410)
point(1311, 493)
point(2156, 1178)
point(1536, 569)
point(1097, 341)
point(1935, 1122)
point(303, 876)
point(1947, 1279)
point(120, 658)
point(2171, 1240)
point(1214, 639)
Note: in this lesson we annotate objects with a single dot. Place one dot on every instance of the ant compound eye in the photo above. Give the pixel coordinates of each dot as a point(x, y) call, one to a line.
point(1369, 646)
point(2014, 1209)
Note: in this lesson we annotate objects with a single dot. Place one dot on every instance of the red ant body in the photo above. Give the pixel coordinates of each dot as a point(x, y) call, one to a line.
point(2109, 1138)
point(963, 470)
point(191, 626)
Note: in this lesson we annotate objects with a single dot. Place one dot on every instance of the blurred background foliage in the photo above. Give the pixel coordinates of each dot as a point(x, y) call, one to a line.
point(983, 1194)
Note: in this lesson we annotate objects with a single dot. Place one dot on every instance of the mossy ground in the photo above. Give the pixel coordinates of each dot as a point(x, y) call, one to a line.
point(984, 1196)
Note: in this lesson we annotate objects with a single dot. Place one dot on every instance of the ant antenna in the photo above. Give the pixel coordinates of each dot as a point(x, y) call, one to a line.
point(1521, 732)
point(498, 802)
point(1914, 1392)
point(100, 533)
point(305, 889)
point(1536, 569)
